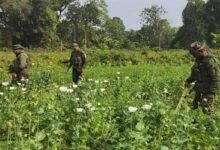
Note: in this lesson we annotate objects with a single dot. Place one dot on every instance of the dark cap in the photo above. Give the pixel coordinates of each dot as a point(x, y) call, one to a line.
point(17, 46)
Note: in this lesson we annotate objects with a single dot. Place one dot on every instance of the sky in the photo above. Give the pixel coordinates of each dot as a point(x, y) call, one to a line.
point(129, 11)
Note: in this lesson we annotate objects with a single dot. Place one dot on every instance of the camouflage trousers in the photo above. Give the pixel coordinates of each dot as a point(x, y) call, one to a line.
point(206, 101)
point(20, 78)
point(76, 74)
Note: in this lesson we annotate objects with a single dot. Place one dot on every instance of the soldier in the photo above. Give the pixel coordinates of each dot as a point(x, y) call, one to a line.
point(77, 61)
point(19, 67)
point(206, 75)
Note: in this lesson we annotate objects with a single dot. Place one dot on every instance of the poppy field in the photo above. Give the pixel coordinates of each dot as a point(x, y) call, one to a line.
point(122, 107)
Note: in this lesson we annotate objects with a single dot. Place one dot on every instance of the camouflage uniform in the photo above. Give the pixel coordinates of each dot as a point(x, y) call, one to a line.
point(206, 75)
point(19, 67)
point(77, 61)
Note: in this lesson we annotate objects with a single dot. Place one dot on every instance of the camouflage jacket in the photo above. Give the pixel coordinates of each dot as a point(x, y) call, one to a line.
point(77, 59)
point(206, 75)
point(20, 64)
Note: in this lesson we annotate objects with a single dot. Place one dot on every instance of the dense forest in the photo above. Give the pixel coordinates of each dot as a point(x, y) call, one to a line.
point(53, 23)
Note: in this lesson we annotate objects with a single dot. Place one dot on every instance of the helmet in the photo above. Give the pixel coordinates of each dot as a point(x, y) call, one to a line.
point(75, 45)
point(17, 46)
point(198, 46)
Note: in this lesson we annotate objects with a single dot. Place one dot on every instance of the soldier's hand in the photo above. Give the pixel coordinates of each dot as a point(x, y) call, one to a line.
point(61, 61)
point(187, 84)
point(210, 96)
point(13, 75)
point(81, 72)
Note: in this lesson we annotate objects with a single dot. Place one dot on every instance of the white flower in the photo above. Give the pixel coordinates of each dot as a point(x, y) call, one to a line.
point(132, 109)
point(1, 93)
point(165, 91)
point(22, 79)
point(88, 105)
point(5, 83)
point(96, 81)
point(23, 89)
point(63, 88)
point(105, 81)
point(118, 73)
point(127, 77)
point(79, 109)
point(19, 84)
point(75, 86)
point(205, 99)
point(77, 99)
point(147, 106)
point(90, 79)
point(102, 89)
point(12, 88)
point(92, 108)
point(69, 90)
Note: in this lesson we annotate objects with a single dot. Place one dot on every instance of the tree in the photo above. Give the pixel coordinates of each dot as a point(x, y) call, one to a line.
point(90, 17)
point(60, 6)
point(29, 22)
point(194, 26)
point(212, 18)
point(13, 16)
point(115, 29)
point(153, 24)
point(84, 18)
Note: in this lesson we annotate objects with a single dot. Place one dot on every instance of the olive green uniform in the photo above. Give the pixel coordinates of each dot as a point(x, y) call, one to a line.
point(20, 66)
point(77, 61)
point(206, 75)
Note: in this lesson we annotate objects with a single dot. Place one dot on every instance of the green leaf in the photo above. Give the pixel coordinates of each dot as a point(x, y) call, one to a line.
point(140, 126)
point(40, 136)
point(163, 147)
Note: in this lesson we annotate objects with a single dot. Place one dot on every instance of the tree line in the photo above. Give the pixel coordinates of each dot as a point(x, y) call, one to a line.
point(51, 23)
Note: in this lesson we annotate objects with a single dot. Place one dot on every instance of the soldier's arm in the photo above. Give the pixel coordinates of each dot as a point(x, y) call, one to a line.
point(70, 61)
point(83, 59)
point(22, 61)
point(65, 61)
point(214, 75)
point(191, 78)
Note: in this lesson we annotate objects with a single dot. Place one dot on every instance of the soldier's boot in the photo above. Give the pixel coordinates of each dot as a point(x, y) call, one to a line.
point(195, 104)
point(208, 105)
point(23, 79)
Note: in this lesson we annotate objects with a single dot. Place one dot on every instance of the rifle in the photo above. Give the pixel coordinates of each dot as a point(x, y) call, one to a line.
point(65, 62)
point(68, 47)
point(186, 91)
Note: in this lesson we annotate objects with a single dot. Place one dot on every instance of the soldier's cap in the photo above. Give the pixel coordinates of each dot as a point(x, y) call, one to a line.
point(198, 45)
point(75, 45)
point(17, 46)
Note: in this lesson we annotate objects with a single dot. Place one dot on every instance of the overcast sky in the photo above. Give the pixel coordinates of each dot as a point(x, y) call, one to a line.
point(129, 11)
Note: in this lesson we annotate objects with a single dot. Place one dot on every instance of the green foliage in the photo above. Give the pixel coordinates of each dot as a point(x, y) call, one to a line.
point(155, 32)
point(29, 22)
point(80, 20)
point(215, 38)
point(212, 10)
point(115, 28)
point(200, 21)
point(126, 107)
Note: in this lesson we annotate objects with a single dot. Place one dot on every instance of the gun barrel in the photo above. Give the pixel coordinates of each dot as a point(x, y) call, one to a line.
point(184, 94)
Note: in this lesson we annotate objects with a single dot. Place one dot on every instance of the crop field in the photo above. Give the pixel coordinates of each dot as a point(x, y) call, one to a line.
point(123, 105)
